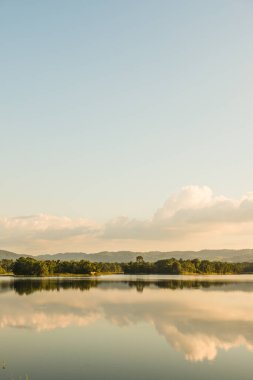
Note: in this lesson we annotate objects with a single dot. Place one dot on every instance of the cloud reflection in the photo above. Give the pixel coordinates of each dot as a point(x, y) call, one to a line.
point(196, 322)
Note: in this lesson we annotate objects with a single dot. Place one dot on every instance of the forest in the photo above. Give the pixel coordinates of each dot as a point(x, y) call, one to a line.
point(27, 266)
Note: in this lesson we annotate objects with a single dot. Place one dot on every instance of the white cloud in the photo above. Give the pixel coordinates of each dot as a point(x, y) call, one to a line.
point(194, 218)
point(193, 211)
point(190, 197)
point(43, 231)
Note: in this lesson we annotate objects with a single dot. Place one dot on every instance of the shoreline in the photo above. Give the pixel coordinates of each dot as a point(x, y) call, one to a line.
point(93, 276)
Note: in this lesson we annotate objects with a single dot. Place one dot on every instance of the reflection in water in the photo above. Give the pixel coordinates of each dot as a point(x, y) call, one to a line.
point(28, 286)
point(197, 318)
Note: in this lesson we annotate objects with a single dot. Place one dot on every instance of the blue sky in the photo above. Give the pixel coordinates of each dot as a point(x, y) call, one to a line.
point(107, 108)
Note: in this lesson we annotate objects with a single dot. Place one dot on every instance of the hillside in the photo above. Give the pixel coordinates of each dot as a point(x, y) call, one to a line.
point(9, 255)
point(126, 256)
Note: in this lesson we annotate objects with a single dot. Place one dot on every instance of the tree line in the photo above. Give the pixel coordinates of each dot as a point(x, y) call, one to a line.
point(28, 266)
point(180, 266)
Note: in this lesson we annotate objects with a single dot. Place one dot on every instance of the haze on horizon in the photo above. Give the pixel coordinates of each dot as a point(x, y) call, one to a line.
point(126, 125)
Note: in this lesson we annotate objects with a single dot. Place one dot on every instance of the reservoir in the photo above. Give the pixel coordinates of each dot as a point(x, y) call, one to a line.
point(127, 327)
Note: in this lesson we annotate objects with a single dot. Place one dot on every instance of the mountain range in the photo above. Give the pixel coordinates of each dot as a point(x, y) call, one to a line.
point(229, 255)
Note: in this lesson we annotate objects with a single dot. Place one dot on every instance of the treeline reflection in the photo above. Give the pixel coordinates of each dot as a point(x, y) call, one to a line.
point(29, 286)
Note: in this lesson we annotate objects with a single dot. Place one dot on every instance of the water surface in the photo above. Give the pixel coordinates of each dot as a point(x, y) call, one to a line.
point(127, 327)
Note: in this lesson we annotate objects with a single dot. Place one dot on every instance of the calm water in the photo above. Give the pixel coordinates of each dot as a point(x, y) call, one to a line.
point(127, 327)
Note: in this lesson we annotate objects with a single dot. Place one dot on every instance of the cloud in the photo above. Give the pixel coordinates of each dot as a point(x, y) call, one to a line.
point(190, 197)
point(193, 211)
point(40, 225)
point(194, 218)
point(42, 231)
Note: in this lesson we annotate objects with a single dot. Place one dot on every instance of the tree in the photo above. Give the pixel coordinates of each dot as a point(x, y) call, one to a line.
point(176, 268)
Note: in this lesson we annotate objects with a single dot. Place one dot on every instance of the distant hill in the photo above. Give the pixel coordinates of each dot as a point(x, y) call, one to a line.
point(9, 255)
point(126, 256)
point(229, 255)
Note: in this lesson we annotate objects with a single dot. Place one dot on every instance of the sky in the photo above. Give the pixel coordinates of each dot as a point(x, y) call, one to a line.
point(109, 110)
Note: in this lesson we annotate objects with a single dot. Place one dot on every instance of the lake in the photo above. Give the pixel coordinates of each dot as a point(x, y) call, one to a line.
point(127, 327)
